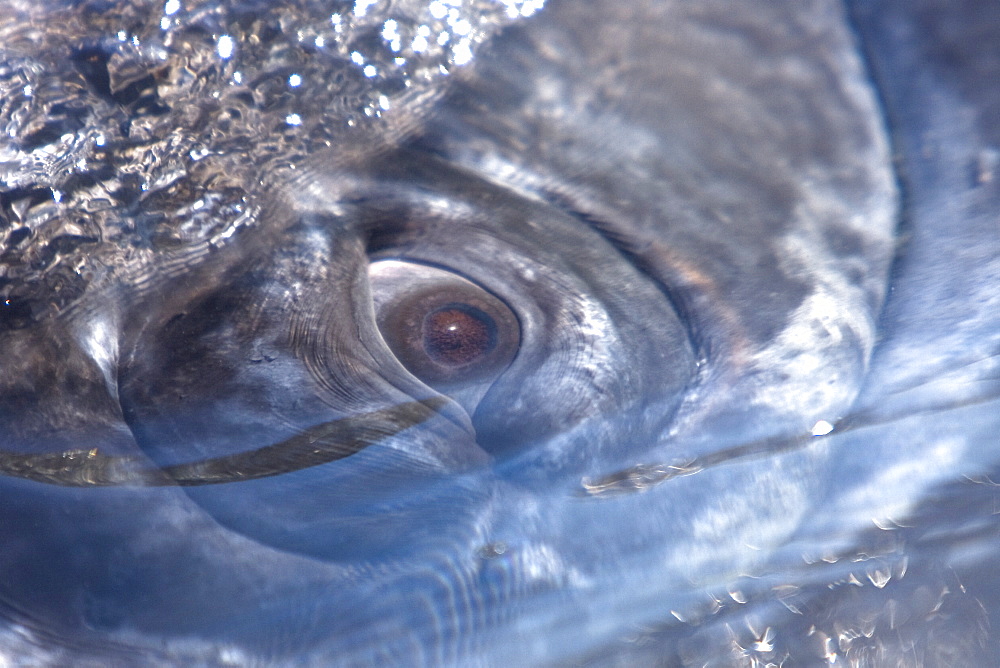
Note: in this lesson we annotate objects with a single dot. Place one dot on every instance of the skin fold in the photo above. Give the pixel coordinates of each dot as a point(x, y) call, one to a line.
point(715, 290)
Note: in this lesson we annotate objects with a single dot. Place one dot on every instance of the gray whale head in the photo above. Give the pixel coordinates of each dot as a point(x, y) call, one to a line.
point(461, 333)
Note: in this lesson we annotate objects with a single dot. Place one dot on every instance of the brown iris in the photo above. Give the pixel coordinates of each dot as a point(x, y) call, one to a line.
point(456, 335)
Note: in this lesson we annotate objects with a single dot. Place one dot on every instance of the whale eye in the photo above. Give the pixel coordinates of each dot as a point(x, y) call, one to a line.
point(447, 331)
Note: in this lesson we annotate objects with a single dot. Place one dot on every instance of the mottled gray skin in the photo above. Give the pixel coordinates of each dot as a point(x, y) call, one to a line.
point(718, 225)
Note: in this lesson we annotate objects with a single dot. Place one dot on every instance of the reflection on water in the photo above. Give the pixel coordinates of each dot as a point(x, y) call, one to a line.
point(143, 132)
point(489, 332)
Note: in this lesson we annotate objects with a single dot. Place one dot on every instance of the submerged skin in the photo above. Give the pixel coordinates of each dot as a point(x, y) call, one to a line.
point(693, 214)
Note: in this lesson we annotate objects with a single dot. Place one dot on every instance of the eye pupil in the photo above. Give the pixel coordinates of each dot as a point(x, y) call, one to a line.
point(456, 335)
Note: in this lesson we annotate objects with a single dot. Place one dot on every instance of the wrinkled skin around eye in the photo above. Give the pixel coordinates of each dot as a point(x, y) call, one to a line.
point(447, 331)
point(638, 246)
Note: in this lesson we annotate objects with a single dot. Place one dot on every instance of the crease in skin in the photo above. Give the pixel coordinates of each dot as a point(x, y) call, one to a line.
point(627, 583)
point(644, 476)
point(317, 445)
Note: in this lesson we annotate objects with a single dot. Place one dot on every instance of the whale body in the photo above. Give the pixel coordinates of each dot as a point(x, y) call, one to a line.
point(514, 333)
